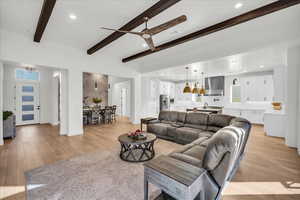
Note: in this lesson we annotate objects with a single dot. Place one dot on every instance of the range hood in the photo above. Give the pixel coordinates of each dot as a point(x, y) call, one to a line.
point(214, 86)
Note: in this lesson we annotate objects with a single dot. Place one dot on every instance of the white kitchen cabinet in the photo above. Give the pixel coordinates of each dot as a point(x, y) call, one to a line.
point(274, 123)
point(172, 90)
point(167, 88)
point(255, 116)
point(179, 95)
point(233, 112)
point(257, 88)
point(249, 90)
point(268, 88)
point(164, 88)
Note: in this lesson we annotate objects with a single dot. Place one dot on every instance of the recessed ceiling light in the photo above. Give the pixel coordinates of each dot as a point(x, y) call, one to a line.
point(261, 66)
point(73, 16)
point(238, 5)
point(145, 45)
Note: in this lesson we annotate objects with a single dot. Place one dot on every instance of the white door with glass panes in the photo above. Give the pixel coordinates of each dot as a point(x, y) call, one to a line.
point(27, 103)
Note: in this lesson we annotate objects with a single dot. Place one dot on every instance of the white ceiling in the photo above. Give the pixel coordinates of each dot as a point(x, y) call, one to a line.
point(256, 61)
point(21, 16)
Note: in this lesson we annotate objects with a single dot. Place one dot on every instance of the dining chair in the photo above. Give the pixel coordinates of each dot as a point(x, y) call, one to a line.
point(108, 114)
point(102, 114)
point(96, 115)
point(114, 110)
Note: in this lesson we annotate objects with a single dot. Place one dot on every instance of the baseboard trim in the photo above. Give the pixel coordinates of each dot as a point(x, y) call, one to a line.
point(55, 124)
point(75, 133)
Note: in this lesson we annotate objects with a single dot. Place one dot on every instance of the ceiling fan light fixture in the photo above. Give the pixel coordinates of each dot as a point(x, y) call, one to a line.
point(146, 36)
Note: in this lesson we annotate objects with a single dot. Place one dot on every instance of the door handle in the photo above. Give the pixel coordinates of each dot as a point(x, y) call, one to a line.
point(38, 107)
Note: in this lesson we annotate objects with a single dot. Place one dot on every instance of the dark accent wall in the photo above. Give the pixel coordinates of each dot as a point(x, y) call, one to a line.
point(95, 85)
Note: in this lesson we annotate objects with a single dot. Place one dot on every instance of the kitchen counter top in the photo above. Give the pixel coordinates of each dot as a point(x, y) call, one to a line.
point(245, 108)
point(207, 109)
point(275, 112)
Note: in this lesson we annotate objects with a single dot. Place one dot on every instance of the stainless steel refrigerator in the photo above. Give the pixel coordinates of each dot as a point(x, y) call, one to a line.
point(164, 102)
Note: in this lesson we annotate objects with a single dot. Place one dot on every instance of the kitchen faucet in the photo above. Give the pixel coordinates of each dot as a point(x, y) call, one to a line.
point(205, 105)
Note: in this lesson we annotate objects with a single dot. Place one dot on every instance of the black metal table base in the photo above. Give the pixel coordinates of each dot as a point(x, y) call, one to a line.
point(137, 152)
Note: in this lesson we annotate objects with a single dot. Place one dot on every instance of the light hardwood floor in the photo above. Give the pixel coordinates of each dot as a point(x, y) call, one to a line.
point(270, 170)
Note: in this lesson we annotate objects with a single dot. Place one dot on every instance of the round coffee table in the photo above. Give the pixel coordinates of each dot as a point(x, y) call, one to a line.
point(137, 150)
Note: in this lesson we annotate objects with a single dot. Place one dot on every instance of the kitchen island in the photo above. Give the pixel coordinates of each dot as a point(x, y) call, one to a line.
point(206, 109)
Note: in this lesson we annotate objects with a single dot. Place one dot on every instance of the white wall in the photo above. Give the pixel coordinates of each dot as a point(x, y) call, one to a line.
point(46, 91)
point(280, 83)
point(293, 100)
point(75, 86)
point(111, 81)
point(116, 90)
point(136, 99)
point(64, 101)
point(54, 99)
point(1, 103)
point(149, 96)
point(21, 49)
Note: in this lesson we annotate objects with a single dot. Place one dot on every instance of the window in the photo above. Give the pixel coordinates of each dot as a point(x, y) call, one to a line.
point(27, 98)
point(27, 89)
point(235, 93)
point(27, 75)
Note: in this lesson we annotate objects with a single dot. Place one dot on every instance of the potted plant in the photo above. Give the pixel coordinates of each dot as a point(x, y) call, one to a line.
point(9, 124)
point(97, 101)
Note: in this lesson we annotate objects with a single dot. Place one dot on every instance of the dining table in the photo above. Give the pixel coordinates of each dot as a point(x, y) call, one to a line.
point(104, 112)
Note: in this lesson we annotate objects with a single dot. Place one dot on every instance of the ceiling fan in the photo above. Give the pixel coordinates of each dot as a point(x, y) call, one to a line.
point(147, 33)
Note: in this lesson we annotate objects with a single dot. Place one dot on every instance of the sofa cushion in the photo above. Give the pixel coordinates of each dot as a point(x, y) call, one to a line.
point(168, 117)
point(181, 117)
point(158, 128)
point(206, 134)
point(186, 158)
point(187, 134)
point(227, 140)
point(222, 152)
point(218, 121)
point(196, 120)
point(173, 116)
point(201, 141)
point(196, 151)
point(190, 157)
point(163, 115)
point(171, 132)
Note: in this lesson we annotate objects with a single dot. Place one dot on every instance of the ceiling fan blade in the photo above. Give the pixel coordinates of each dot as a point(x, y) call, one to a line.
point(150, 43)
point(131, 32)
point(167, 25)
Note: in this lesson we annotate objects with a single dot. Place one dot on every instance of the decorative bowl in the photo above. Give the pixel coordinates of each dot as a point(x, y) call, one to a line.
point(276, 105)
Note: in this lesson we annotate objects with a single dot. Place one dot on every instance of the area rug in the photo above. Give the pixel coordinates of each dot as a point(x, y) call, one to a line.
point(100, 175)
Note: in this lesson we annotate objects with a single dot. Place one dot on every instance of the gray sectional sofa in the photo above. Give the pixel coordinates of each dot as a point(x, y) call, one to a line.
point(215, 142)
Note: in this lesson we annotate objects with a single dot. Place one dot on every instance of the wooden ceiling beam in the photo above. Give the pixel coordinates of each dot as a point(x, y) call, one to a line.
point(46, 12)
point(259, 12)
point(137, 21)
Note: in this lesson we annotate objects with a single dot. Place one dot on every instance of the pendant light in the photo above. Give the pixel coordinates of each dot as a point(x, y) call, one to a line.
point(202, 90)
point(195, 89)
point(187, 88)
